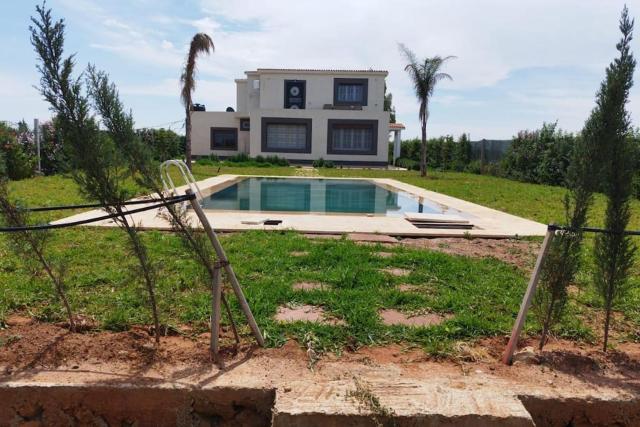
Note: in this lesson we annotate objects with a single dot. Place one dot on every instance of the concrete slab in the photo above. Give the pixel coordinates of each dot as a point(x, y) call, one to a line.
point(330, 404)
point(487, 222)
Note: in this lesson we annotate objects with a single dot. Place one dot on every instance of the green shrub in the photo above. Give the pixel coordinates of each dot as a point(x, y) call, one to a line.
point(276, 161)
point(239, 158)
point(19, 162)
point(3, 166)
point(322, 163)
point(540, 156)
point(204, 161)
point(408, 164)
point(475, 166)
point(165, 144)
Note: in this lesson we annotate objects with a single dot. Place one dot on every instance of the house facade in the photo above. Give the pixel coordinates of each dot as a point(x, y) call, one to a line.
point(300, 115)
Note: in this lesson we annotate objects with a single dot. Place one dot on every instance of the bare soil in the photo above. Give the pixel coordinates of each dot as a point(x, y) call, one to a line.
point(30, 344)
point(521, 253)
point(30, 350)
point(395, 317)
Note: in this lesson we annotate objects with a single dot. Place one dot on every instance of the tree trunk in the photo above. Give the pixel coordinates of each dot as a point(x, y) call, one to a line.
point(606, 327)
point(546, 325)
point(59, 286)
point(187, 137)
point(145, 265)
point(423, 150)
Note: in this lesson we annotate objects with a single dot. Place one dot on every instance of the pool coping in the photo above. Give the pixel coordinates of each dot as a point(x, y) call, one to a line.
point(491, 223)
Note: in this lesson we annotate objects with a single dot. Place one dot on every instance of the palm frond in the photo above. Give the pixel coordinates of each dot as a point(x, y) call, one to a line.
point(200, 44)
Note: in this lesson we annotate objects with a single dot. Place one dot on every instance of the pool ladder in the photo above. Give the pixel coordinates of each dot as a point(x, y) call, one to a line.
point(187, 176)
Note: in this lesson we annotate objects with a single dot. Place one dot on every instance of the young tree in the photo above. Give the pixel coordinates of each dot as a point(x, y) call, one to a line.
point(201, 43)
point(388, 105)
point(613, 250)
point(593, 151)
point(120, 126)
point(30, 245)
point(463, 152)
point(425, 76)
point(97, 166)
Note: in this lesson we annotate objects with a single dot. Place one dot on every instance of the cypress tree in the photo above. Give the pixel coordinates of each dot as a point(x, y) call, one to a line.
point(613, 250)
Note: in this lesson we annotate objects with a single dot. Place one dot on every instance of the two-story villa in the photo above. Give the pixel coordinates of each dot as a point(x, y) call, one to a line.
point(301, 115)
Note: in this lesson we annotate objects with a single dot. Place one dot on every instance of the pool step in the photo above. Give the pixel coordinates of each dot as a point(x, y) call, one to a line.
point(439, 221)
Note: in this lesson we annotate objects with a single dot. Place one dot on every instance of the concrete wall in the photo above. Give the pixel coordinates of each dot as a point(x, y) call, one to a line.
point(201, 124)
point(319, 128)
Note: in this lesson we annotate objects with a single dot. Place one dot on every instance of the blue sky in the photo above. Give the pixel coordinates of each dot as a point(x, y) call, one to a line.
point(519, 63)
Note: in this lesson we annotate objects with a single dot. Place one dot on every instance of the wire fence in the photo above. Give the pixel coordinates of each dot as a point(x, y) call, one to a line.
point(155, 204)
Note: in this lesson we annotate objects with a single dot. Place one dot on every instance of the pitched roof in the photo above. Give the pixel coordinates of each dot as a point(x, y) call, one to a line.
point(396, 126)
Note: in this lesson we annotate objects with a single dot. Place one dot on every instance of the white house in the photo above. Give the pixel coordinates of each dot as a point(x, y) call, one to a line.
point(301, 115)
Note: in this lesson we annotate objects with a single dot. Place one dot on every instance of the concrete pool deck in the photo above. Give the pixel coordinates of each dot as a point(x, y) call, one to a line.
point(487, 222)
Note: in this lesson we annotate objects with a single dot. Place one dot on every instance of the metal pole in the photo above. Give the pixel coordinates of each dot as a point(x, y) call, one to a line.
point(36, 132)
point(216, 296)
point(224, 261)
point(528, 297)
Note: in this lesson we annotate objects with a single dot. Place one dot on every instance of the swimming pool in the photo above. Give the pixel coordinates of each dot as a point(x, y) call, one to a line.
point(318, 195)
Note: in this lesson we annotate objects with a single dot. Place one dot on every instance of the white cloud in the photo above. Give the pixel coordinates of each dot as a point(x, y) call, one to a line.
point(492, 40)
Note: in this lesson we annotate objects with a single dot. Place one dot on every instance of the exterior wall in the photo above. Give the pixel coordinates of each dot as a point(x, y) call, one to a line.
point(319, 134)
point(319, 89)
point(241, 96)
point(266, 99)
point(201, 124)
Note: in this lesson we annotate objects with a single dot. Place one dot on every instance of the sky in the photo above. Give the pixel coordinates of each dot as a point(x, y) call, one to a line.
point(518, 63)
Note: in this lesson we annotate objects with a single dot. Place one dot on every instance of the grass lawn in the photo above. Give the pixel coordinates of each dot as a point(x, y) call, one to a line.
point(482, 295)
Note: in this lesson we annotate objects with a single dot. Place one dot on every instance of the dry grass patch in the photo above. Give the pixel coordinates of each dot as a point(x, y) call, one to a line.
point(299, 253)
point(309, 286)
point(305, 313)
point(385, 254)
point(397, 272)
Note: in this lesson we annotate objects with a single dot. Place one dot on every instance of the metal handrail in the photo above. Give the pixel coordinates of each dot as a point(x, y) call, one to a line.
point(167, 182)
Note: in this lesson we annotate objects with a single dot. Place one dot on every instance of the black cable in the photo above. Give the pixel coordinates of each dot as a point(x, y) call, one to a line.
point(173, 201)
point(555, 227)
point(93, 205)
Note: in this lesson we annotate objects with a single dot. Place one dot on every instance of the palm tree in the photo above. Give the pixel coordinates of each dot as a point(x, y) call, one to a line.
point(424, 75)
point(201, 43)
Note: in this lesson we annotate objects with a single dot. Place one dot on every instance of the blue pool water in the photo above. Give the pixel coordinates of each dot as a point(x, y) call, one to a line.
point(300, 195)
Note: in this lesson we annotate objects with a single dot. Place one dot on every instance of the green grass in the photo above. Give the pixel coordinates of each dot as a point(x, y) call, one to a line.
point(483, 295)
point(102, 284)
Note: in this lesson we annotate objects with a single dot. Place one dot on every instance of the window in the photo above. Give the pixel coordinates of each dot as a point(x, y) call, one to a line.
point(224, 139)
point(350, 91)
point(287, 135)
point(294, 94)
point(245, 124)
point(352, 137)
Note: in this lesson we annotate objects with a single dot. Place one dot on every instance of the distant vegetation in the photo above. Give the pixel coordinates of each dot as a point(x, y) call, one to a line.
point(243, 160)
point(539, 156)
